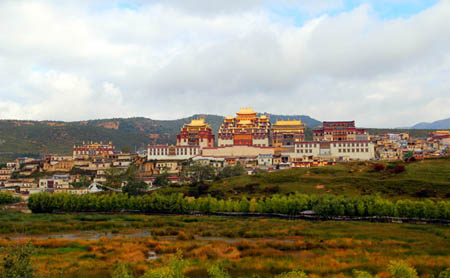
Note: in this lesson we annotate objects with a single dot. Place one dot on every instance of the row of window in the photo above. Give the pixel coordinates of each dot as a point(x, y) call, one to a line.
point(179, 151)
point(353, 150)
point(314, 145)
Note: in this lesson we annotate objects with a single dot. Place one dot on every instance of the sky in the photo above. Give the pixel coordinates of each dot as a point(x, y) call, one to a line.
point(382, 63)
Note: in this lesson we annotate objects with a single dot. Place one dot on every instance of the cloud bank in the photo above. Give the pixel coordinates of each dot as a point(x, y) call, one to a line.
point(77, 60)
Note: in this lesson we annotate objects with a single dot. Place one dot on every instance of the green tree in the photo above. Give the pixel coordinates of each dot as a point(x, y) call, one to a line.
point(113, 177)
point(134, 188)
point(400, 269)
point(162, 180)
point(84, 182)
point(199, 173)
point(17, 261)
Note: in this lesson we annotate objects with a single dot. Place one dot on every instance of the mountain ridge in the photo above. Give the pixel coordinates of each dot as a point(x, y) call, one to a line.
point(33, 138)
point(440, 124)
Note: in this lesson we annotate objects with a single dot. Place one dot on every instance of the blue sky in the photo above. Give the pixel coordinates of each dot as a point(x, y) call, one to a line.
point(383, 9)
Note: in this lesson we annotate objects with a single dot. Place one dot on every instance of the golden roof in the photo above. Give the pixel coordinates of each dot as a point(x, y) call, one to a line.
point(245, 122)
point(197, 123)
point(246, 111)
point(441, 132)
point(289, 122)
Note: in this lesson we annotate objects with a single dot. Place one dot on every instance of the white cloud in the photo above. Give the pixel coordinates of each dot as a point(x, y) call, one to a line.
point(75, 60)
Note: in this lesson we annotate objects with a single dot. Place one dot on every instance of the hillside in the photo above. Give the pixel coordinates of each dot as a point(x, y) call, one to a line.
point(426, 178)
point(441, 124)
point(33, 138)
point(415, 133)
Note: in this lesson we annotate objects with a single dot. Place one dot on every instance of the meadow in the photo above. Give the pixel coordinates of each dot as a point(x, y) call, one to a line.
point(428, 178)
point(92, 245)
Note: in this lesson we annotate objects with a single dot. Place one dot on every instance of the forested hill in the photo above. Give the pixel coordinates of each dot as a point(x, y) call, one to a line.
point(28, 138)
point(31, 138)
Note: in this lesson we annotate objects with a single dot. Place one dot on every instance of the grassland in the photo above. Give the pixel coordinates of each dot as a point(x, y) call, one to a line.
point(245, 246)
point(422, 179)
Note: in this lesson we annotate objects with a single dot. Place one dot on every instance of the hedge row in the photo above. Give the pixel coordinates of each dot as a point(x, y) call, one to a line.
point(8, 198)
point(324, 205)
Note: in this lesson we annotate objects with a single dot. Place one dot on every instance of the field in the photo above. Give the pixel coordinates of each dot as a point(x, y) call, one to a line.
point(425, 178)
point(91, 245)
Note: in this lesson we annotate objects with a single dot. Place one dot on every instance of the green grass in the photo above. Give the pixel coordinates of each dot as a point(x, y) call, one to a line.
point(430, 177)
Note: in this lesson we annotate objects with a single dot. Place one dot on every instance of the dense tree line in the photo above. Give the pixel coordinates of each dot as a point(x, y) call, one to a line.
point(324, 205)
point(8, 198)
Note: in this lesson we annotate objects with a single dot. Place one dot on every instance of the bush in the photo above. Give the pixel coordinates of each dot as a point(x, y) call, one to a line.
point(17, 261)
point(445, 273)
point(399, 168)
point(379, 167)
point(401, 270)
point(292, 274)
point(8, 198)
point(122, 271)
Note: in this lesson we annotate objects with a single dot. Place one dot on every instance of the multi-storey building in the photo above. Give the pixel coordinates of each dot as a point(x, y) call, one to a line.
point(335, 150)
point(164, 152)
point(340, 131)
point(92, 149)
point(245, 129)
point(287, 133)
point(196, 133)
point(58, 163)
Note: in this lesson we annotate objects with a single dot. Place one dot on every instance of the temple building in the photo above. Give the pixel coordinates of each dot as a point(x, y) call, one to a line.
point(287, 133)
point(89, 149)
point(196, 133)
point(245, 129)
point(340, 131)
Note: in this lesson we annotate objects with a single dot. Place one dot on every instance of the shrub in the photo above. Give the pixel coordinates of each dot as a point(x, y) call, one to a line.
point(445, 273)
point(399, 169)
point(362, 274)
point(217, 271)
point(8, 198)
point(401, 269)
point(17, 261)
point(122, 271)
point(379, 167)
point(292, 274)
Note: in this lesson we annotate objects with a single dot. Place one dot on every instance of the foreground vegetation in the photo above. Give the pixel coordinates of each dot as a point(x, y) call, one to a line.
point(95, 245)
point(322, 205)
point(17, 263)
